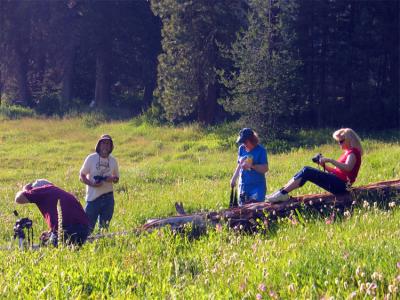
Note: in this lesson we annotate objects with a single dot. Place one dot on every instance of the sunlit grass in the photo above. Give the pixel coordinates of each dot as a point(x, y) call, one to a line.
point(160, 165)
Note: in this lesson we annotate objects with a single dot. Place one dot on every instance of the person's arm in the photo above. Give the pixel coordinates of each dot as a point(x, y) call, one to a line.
point(85, 171)
point(235, 176)
point(112, 178)
point(262, 169)
point(83, 178)
point(347, 166)
point(20, 198)
point(262, 163)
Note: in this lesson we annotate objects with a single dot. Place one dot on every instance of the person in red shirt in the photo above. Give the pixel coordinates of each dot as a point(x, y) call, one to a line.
point(45, 195)
point(338, 177)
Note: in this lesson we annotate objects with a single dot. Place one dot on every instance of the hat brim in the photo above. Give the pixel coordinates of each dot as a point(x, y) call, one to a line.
point(240, 140)
point(106, 138)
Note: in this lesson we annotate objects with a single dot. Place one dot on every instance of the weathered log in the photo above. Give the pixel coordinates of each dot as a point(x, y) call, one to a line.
point(249, 217)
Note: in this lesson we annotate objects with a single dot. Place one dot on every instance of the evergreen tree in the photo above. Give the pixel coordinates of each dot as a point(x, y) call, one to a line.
point(265, 88)
point(187, 85)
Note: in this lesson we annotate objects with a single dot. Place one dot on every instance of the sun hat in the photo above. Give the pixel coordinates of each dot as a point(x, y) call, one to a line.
point(244, 134)
point(104, 137)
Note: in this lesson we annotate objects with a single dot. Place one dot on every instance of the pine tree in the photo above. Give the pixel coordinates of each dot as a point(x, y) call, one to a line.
point(187, 85)
point(265, 87)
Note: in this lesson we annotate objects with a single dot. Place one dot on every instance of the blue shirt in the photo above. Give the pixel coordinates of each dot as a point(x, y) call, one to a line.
point(252, 183)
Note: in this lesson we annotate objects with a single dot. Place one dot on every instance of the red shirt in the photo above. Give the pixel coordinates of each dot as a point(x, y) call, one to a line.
point(348, 176)
point(46, 198)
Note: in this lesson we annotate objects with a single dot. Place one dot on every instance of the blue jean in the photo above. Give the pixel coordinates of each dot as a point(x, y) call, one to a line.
point(75, 234)
point(251, 193)
point(102, 209)
point(327, 181)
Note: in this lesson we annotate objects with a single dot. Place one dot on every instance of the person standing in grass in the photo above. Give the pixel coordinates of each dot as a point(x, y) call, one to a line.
point(252, 164)
point(338, 177)
point(75, 223)
point(99, 172)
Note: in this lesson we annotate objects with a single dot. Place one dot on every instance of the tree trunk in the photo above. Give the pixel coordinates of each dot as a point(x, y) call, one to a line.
point(1, 84)
point(211, 100)
point(395, 82)
point(68, 71)
point(208, 86)
point(394, 64)
point(21, 70)
point(201, 102)
point(207, 105)
point(104, 19)
point(311, 68)
point(322, 80)
point(349, 71)
point(149, 87)
point(103, 65)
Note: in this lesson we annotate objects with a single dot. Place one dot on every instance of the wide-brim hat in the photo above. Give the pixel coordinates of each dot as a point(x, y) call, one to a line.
point(244, 134)
point(104, 137)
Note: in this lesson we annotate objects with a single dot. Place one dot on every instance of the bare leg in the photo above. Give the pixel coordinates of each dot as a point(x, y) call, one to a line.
point(292, 185)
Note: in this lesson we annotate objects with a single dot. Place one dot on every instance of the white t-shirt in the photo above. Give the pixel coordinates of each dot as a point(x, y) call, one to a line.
point(95, 165)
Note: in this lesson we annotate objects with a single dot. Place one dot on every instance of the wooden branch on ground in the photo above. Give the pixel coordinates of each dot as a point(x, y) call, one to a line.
point(249, 217)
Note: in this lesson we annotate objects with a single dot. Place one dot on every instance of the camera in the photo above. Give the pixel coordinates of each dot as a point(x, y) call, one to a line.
point(316, 158)
point(19, 230)
point(99, 178)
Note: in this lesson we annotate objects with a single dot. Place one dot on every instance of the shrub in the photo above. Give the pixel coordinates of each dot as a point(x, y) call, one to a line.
point(93, 119)
point(154, 115)
point(13, 112)
point(49, 104)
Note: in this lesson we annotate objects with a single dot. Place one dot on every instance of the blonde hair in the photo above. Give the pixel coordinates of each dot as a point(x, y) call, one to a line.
point(350, 135)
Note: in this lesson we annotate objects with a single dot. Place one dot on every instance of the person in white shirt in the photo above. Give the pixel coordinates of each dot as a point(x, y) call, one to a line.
point(99, 172)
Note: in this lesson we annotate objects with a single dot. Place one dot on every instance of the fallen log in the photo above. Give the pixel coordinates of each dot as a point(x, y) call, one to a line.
point(383, 194)
point(249, 217)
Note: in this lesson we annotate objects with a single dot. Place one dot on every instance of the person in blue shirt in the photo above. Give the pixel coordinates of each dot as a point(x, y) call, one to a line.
point(251, 168)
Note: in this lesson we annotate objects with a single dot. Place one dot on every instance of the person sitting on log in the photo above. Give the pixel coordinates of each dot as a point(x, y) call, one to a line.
point(75, 223)
point(251, 168)
point(336, 179)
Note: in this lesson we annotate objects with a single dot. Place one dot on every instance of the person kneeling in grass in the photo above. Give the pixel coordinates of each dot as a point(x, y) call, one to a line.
point(75, 223)
point(336, 179)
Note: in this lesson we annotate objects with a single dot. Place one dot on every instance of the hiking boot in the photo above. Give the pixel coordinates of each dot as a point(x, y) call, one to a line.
point(277, 197)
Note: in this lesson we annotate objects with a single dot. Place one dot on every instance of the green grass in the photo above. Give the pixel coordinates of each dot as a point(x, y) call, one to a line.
point(161, 165)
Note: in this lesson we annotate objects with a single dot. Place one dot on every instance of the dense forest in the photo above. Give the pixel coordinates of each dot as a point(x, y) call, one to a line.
point(274, 64)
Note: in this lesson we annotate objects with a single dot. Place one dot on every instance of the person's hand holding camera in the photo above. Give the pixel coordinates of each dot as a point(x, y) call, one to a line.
point(111, 179)
point(324, 160)
point(245, 164)
point(96, 183)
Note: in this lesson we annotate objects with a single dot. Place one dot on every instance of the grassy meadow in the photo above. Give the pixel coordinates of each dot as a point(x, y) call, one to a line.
point(357, 257)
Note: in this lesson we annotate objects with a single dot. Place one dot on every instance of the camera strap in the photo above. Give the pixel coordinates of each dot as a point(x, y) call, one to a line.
point(233, 199)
